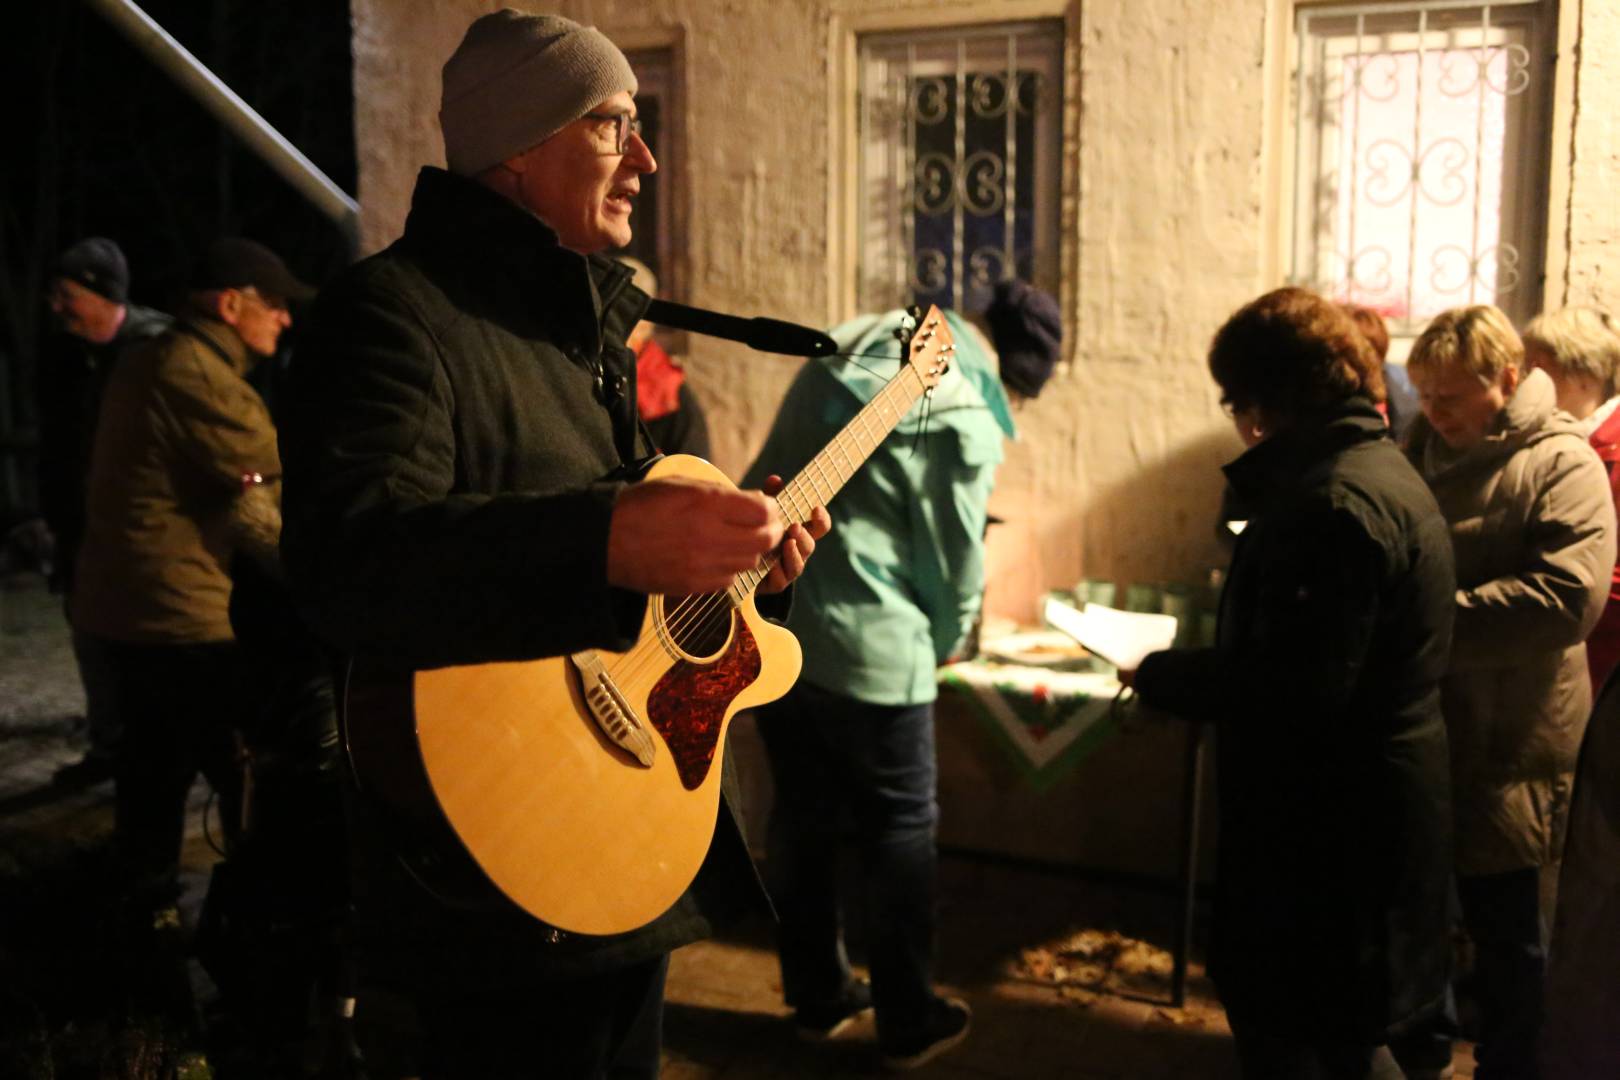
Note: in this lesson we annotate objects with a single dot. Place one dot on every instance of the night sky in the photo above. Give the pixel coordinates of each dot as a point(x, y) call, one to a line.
point(100, 142)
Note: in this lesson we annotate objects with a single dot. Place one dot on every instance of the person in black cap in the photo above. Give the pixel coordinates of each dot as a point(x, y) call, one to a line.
point(89, 303)
point(895, 590)
point(1027, 329)
point(184, 475)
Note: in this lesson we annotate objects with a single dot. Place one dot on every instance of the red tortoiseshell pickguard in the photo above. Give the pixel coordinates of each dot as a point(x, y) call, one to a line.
point(689, 704)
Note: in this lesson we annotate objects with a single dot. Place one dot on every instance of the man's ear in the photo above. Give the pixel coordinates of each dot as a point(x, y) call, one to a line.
point(228, 306)
point(1510, 380)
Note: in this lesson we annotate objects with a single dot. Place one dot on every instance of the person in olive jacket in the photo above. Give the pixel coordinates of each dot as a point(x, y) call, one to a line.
point(1533, 524)
point(457, 439)
point(184, 475)
point(1335, 628)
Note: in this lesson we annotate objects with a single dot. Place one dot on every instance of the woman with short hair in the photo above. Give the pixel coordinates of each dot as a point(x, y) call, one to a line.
point(1335, 628)
point(1532, 521)
point(1579, 349)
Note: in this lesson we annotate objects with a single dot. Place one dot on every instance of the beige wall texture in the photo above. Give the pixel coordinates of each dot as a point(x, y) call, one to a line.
point(1584, 218)
point(1169, 106)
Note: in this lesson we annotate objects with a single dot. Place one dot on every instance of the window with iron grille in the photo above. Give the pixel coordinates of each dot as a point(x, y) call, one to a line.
point(656, 106)
point(960, 139)
point(1421, 155)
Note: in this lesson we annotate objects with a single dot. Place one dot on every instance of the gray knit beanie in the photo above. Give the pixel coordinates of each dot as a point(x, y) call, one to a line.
point(516, 80)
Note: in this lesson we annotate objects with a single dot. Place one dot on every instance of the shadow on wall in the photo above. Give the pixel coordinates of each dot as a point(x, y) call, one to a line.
point(1159, 524)
point(1155, 524)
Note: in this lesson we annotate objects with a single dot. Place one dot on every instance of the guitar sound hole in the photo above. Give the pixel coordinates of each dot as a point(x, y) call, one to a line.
point(700, 626)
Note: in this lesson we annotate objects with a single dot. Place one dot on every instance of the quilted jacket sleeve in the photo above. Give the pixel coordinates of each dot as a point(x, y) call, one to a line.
point(1554, 598)
point(386, 556)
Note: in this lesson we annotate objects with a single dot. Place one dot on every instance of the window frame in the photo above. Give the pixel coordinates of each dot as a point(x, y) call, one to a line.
point(953, 59)
point(658, 59)
point(844, 183)
point(1543, 250)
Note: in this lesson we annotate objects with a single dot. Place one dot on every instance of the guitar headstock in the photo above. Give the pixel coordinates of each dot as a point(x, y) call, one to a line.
point(931, 347)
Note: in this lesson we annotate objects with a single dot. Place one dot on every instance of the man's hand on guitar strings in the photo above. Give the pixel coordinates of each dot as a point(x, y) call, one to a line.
point(679, 536)
point(797, 544)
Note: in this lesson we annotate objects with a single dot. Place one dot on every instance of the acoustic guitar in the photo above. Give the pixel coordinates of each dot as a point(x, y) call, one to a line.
point(586, 787)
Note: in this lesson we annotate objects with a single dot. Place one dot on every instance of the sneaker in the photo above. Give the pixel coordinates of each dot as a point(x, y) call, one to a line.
point(946, 1026)
point(831, 1021)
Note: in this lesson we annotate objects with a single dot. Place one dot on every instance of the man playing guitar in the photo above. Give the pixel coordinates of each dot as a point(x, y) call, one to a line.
point(462, 429)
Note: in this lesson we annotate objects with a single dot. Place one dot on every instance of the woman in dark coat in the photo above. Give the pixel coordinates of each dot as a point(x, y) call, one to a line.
point(1335, 628)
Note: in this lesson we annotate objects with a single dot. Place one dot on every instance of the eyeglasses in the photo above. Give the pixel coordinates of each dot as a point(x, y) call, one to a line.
point(271, 303)
point(627, 126)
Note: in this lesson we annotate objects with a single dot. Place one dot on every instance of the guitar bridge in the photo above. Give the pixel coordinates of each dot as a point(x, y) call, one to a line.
point(615, 716)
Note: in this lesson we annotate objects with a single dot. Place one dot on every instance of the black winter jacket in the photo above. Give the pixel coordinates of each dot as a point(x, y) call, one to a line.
point(1335, 629)
point(72, 375)
point(457, 426)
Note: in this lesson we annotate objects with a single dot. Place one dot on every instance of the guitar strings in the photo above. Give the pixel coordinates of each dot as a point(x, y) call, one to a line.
point(697, 611)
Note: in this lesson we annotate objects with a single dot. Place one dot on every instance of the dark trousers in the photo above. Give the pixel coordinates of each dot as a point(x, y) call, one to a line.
point(1503, 915)
point(99, 674)
point(601, 1026)
point(180, 705)
point(837, 764)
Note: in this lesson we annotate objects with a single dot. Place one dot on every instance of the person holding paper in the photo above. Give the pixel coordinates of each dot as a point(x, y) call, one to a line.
point(1334, 633)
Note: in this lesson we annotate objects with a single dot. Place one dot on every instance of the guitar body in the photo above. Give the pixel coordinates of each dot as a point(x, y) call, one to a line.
point(567, 824)
point(586, 787)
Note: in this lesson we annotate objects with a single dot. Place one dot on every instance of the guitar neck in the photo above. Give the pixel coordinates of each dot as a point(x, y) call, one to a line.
point(830, 470)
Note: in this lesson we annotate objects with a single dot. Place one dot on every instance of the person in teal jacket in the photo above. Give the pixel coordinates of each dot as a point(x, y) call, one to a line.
point(895, 589)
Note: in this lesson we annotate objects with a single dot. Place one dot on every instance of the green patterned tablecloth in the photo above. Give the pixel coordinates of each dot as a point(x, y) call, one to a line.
point(1047, 719)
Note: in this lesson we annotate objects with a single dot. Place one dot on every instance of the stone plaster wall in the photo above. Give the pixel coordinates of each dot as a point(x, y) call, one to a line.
point(1116, 472)
point(1589, 224)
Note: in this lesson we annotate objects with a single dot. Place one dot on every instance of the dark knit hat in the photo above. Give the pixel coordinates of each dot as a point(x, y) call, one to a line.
point(99, 265)
point(517, 79)
point(1027, 329)
point(236, 262)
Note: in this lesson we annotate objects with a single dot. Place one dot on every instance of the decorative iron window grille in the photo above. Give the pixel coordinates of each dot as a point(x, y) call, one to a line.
point(1421, 155)
point(960, 136)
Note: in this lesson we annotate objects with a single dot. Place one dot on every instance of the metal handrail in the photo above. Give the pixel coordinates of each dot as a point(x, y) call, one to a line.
point(240, 118)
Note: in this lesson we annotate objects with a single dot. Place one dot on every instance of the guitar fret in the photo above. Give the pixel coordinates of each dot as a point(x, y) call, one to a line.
point(815, 463)
point(849, 468)
point(785, 499)
point(840, 477)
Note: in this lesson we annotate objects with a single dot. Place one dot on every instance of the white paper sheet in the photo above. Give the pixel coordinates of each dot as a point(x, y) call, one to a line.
point(1122, 638)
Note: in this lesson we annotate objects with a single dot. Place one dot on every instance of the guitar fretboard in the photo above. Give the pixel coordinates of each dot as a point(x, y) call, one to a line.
point(831, 469)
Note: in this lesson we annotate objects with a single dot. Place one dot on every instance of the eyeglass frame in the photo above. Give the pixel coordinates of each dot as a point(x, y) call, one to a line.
point(270, 303)
point(628, 125)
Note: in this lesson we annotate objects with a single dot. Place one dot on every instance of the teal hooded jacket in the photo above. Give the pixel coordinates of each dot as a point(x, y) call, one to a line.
point(896, 585)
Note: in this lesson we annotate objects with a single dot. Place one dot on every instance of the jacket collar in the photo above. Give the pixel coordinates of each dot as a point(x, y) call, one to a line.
point(1275, 465)
point(220, 338)
point(457, 218)
point(1529, 416)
